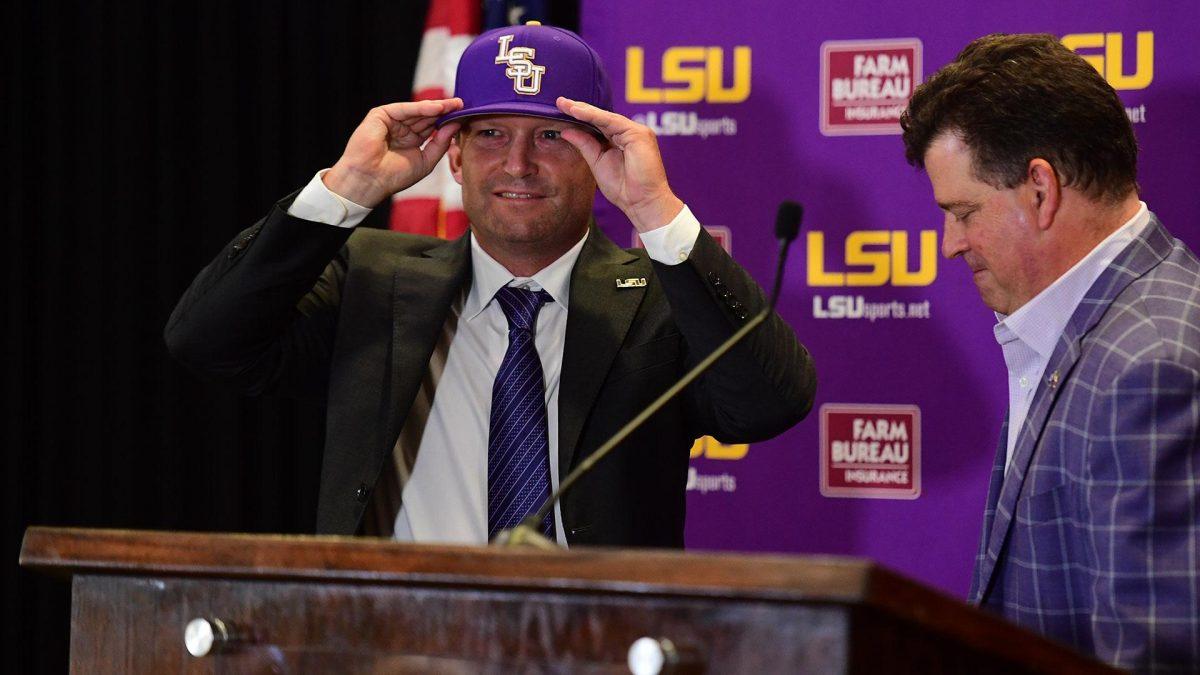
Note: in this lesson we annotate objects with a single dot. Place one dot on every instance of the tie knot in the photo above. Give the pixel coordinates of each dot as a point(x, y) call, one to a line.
point(521, 306)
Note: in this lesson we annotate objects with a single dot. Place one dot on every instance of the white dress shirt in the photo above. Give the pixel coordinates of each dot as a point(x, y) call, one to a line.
point(1028, 336)
point(444, 492)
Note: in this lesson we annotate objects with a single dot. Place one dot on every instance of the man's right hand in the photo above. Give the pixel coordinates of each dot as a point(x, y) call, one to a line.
point(385, 155)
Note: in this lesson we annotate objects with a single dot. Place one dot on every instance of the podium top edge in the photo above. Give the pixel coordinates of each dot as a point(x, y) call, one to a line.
point(70, 551)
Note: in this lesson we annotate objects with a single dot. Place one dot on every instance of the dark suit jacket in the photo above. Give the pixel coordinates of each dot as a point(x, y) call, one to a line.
point(1092, 536)
point(350, 317)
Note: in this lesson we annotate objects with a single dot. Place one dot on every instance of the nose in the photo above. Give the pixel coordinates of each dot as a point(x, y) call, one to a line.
point(954, 242)
point(519, 162)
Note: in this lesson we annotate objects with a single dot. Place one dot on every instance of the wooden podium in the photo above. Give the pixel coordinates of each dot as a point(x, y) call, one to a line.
point(292, 604)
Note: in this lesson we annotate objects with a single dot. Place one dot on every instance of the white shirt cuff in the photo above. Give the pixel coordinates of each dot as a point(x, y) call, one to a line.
point(321, 205)
point(672, 243)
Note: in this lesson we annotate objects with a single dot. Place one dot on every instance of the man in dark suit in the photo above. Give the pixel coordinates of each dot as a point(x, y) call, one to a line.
point(464, 378)
point(1092, 528)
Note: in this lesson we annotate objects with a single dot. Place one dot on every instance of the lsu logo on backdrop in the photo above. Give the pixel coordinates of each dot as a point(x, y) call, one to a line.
point(1106, 52)
point(871, 451)
point(689, 75)
point(526, 76)
point(711, 448)
point(866, 84)
point(886, 263)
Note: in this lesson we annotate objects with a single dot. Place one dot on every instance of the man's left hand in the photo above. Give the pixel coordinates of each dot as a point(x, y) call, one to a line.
point(629, 169)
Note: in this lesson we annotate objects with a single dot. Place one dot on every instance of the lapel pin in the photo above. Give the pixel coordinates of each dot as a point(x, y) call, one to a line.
point(632, 282)
point(1052, 381)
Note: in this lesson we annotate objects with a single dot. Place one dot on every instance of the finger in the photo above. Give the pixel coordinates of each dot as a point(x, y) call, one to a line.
point(423, 108)
point(410, 133)
point(587, 145)
point(400, 136)
point(372, 128)
point(420, 124)
point(406, 110)
point(438, 143)
point(609, 123)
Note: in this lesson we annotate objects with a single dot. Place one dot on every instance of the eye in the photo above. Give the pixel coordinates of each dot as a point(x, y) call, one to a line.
point(488, 137)
point(963, 215)
point(551, 134)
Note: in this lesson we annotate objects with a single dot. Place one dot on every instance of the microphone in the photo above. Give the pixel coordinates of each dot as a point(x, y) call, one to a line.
point(528, 533)
point(787, 226)
point(787, 220)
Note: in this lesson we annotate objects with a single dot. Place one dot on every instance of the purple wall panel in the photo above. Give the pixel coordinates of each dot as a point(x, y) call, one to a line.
point(948, 365)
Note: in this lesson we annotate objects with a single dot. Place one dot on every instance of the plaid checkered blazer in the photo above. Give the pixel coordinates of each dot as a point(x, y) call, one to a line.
point(1092, 537)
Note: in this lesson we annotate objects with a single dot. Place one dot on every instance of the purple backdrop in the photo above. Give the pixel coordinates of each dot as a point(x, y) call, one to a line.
point(733, 160)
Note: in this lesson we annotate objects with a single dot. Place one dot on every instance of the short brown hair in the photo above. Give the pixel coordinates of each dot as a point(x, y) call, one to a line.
point(1012, 98)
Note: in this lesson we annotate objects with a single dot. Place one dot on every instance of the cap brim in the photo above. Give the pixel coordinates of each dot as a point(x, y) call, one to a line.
point(514, 108)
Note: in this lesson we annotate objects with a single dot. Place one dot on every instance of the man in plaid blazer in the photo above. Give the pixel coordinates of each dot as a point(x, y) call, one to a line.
point(1090, 533)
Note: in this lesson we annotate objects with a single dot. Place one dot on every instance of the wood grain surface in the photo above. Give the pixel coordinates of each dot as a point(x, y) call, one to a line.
point(322, 604)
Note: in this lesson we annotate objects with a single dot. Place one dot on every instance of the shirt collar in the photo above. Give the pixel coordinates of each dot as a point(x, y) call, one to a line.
point(489, 276)
point(1039, 322)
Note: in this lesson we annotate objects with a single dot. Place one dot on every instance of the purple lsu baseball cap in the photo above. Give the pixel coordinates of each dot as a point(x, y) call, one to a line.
point(522, 70)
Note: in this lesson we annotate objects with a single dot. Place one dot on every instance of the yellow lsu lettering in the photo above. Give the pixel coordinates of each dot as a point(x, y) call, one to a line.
point(884, 266)
point(1111, 64)
point(711, 448)
point(701, 71)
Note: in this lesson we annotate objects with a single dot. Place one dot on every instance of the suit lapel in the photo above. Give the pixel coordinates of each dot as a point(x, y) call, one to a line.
point(995, 483)
point(1142, 254)
point(423, 291)
point(598, 318)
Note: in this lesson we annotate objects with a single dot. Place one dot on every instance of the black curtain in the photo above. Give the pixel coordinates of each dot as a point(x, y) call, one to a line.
point(139, 138)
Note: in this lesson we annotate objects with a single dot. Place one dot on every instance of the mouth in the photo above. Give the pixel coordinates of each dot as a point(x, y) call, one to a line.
point(518, 195)
point(976, 266)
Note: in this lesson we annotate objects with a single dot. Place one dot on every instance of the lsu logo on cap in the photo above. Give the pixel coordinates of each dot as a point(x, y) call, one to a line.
point(526, 77)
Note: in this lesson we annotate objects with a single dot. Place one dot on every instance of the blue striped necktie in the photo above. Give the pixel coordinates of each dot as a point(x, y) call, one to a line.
point(518, 442)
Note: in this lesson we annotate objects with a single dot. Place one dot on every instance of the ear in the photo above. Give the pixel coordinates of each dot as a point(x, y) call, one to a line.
point(1046, 191)
point(454, 154)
